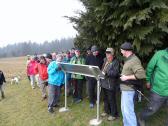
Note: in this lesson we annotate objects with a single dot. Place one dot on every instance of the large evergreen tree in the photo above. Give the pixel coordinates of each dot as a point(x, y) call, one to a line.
point(112, 22)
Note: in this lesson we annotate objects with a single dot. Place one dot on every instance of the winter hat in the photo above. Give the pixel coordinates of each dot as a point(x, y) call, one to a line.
point(94, 48)
point(126, 46)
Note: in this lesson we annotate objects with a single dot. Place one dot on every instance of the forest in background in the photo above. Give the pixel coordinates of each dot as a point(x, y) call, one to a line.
point(31, 48)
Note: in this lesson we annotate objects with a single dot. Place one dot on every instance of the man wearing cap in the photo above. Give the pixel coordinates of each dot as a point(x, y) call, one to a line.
point(132, 72)
point(94, 59)
point(77, 80)
point(111, 70)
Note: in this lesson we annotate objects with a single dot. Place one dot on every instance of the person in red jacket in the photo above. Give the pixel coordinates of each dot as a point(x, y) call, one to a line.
point(36, 71)
point(43, 76)
point(32, 71)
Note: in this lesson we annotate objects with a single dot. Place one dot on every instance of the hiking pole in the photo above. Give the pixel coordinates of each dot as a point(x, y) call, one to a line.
point(143, 95)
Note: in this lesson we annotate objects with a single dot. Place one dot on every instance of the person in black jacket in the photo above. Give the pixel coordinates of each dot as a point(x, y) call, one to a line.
point(2, 80)
point(94, 59)
point(111, 70)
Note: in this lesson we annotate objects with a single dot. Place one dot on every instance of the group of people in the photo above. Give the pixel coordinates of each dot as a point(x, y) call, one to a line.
point(47, 72)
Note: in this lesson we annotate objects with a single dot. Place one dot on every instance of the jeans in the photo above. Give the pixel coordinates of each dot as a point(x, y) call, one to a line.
point(156, 102)
point(110, 103)
point(43, 86)
point(32, 80)
point(127, 108)
point(37, 80)
point(54, 92)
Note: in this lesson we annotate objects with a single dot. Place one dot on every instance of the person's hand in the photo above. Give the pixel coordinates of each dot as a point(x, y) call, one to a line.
point(103, 73)
point(148, 85)
point(124, 78)
point(59, 68)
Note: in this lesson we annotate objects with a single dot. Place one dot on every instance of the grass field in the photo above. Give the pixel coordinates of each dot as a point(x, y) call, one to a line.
point(23, 106)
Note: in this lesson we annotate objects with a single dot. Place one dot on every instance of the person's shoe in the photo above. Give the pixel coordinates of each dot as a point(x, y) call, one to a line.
point(141, 122)
point(74, 100)
point(111, 118)
point(56, 105)
point(104, 114)
point(91, 105)
point(78, 101)
point(50, 110)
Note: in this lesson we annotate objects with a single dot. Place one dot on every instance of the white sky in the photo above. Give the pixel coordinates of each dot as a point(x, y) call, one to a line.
point(36, 20)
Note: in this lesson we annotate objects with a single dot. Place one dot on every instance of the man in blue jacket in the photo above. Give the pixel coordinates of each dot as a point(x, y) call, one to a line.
point(55, 80)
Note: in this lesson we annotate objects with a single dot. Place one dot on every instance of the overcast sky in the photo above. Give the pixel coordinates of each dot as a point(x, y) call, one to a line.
point(36, 20)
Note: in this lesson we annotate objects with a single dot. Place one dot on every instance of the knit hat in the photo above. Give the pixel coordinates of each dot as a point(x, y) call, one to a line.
point(94, 48)
point(126, 46)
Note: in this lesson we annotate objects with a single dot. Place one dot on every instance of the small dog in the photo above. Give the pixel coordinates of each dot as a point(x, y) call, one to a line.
point(15, 80)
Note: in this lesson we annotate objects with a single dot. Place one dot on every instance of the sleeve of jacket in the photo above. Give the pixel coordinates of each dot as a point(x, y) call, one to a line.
point(83, 61)
point(138, 70)
point(52, 68)
point(151, 66)
point(3, 77)
point(114, 70)
point(36, 67)
point(72, 59)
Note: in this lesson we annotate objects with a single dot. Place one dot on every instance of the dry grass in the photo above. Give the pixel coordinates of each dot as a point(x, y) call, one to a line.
point(13, 67)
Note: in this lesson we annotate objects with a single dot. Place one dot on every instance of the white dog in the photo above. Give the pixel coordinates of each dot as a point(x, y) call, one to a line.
point(15, 80)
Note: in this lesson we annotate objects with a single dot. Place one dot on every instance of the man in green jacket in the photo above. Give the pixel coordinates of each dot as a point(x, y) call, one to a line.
point(157, 81)
point(77, 80)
